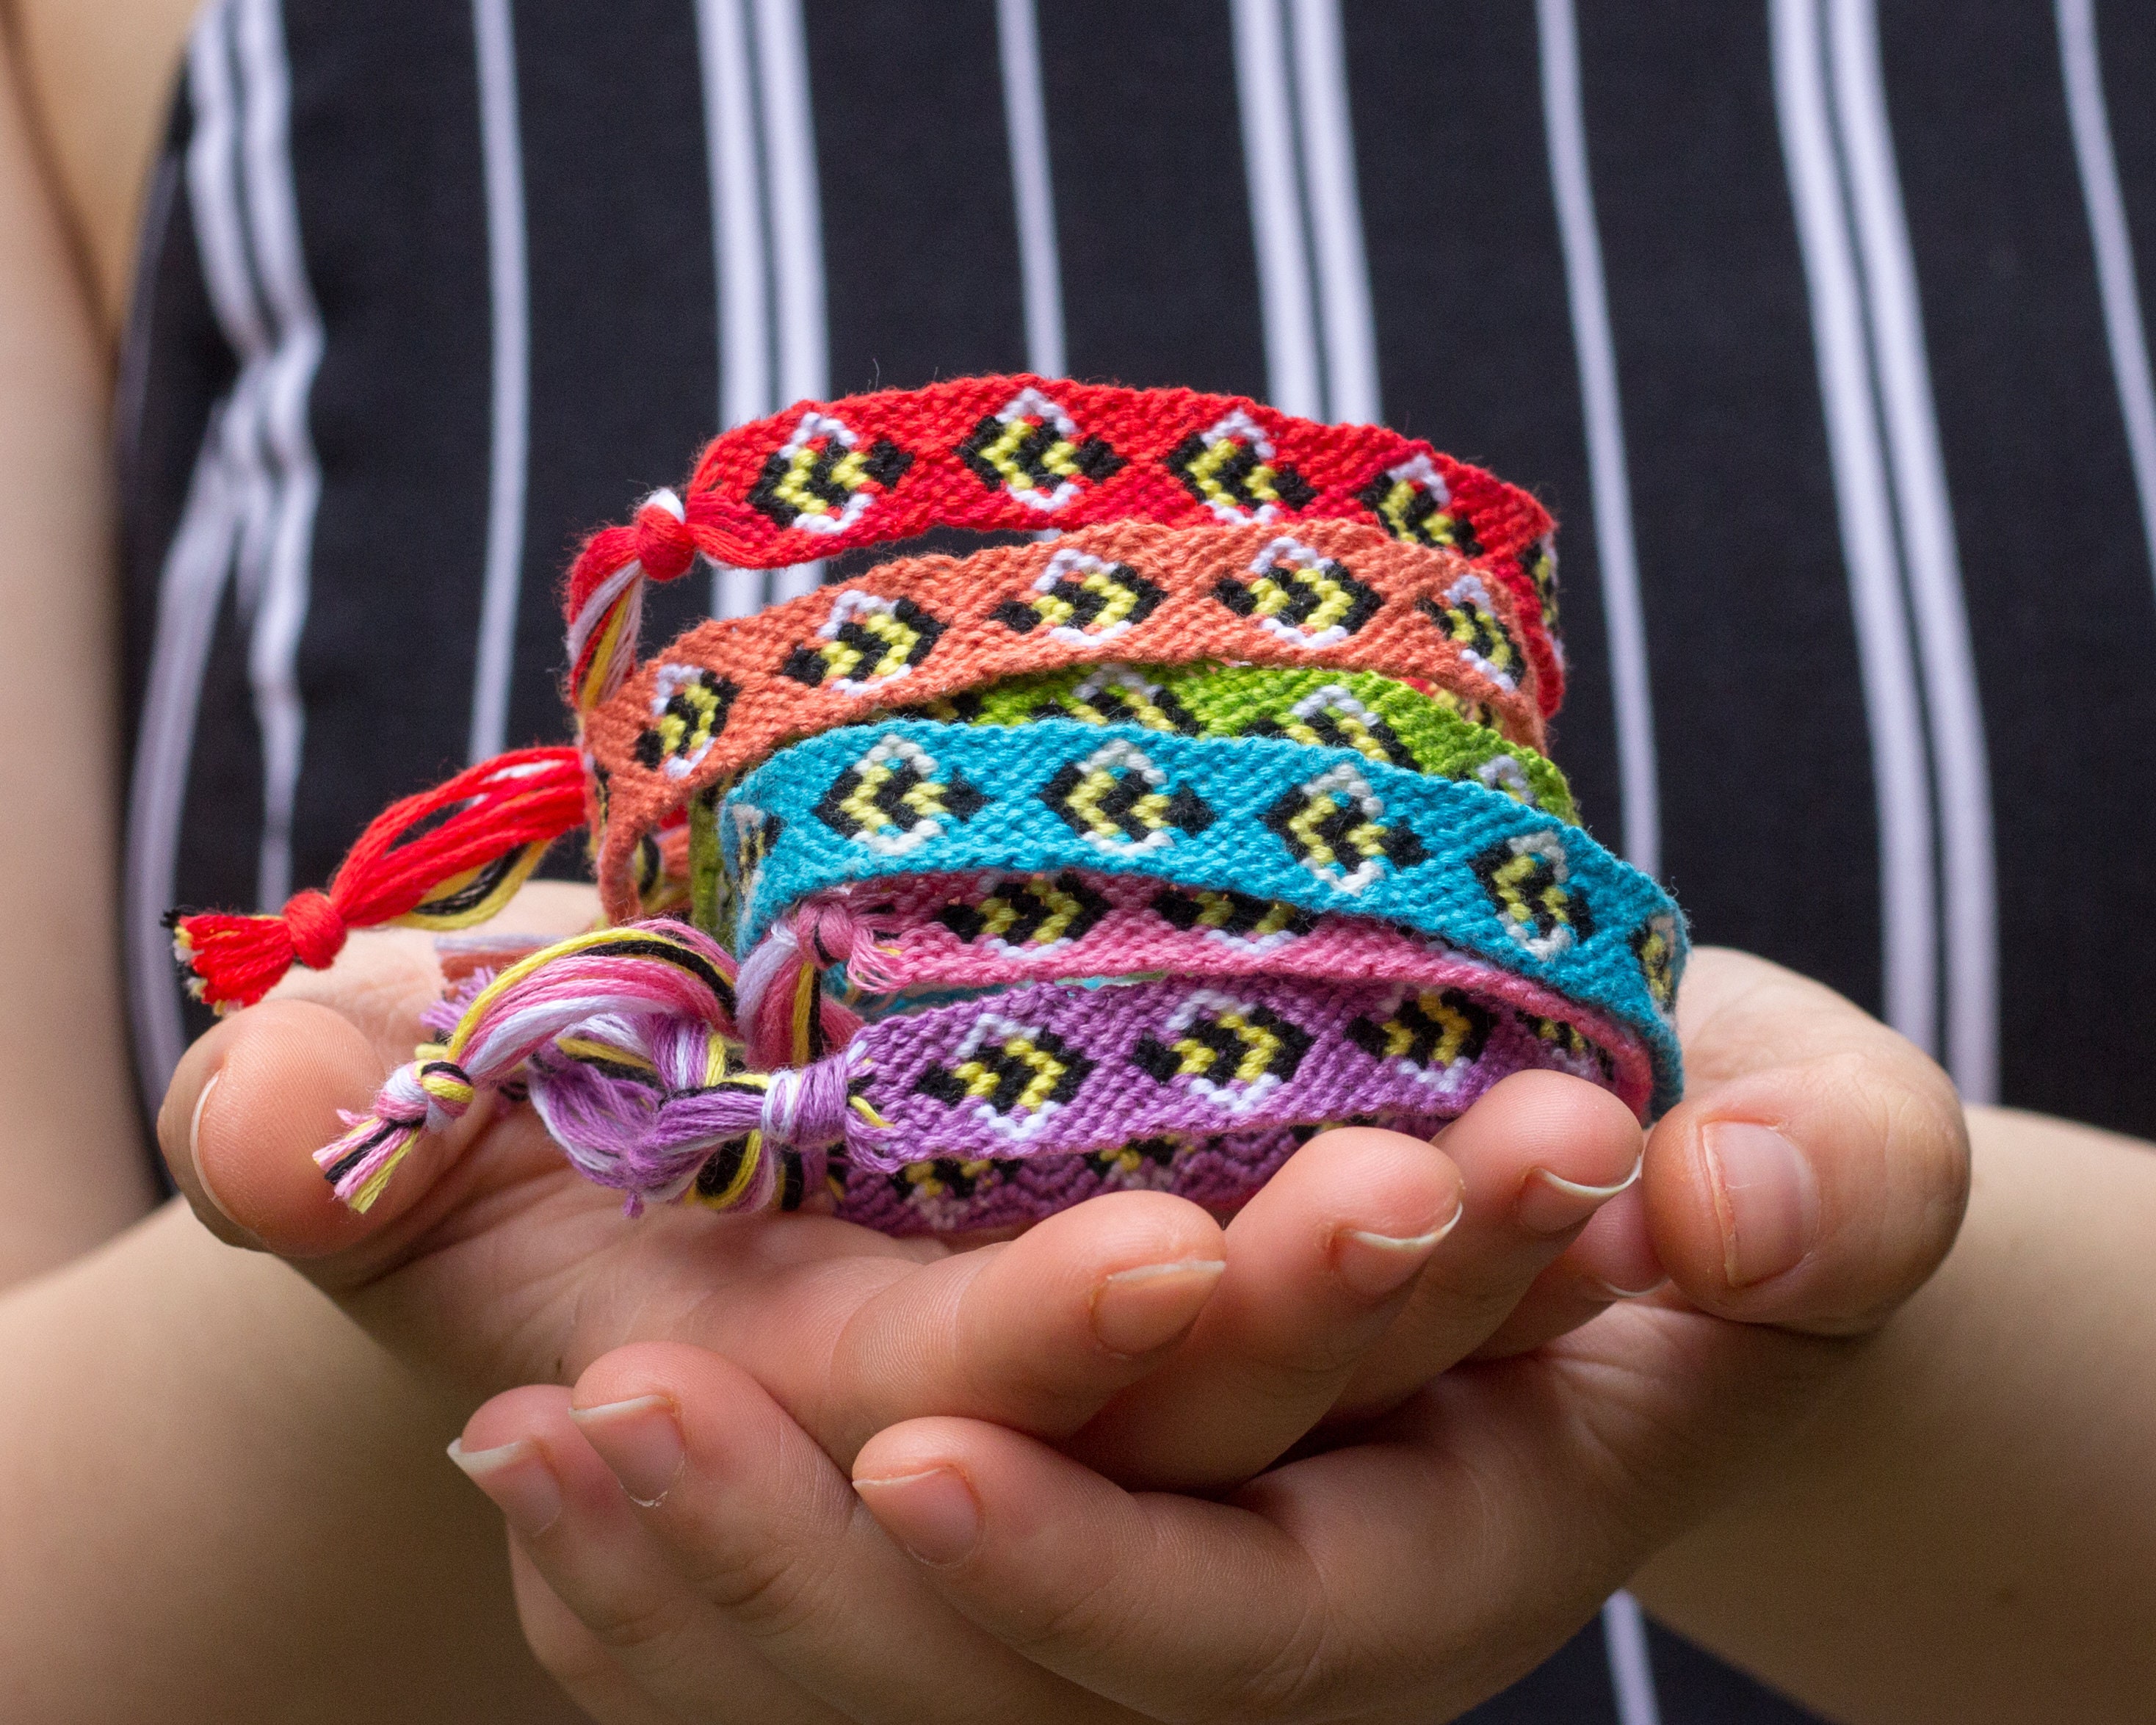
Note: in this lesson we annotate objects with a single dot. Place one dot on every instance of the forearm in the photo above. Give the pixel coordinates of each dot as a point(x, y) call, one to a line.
point(1970, 1534)
point(222, 1502)
point(71, 1154)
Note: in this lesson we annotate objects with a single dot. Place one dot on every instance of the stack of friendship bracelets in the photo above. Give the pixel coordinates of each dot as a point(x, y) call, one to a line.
point(1134, 854)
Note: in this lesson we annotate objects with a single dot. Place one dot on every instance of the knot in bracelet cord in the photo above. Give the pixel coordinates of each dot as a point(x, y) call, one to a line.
point(318, 928)
point(604, 624)
point(442, 859)
point(597, 982)
point(664, 546)
point(612, 1096)
point(779, 983)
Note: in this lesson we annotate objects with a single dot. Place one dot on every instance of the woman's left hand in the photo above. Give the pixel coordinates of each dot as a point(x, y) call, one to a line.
point(1812, 1182)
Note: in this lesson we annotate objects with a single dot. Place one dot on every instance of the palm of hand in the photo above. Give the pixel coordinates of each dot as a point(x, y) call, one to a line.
point(489, 1262)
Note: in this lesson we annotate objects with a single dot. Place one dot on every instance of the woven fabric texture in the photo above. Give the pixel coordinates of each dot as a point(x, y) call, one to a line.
point(1323, 829)
point(1049, 1068)
point(1025, 453)
point(1375, 715)
point(952, 1195)
point(1335, 594)
point(883, 938)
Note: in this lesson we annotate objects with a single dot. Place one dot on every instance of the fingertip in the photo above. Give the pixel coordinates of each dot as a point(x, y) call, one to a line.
point(1370, 1181)
point(531, 1412)
point(692, 1378)
point(1816, 1196)
point(1550, 1123)
point(1118, 1231)
point(282, 1072)
point(1614, 1254)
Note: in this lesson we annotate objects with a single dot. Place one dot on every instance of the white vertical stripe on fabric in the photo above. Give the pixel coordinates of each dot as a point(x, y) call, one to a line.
point(1908, 907)
point(213, 172)
point(501, 150)
point(737, 243)
point(1609, 475)
point(794, 203)
point(1032, 187)
point(190, 589)
point(1632, 1667)
point(273, 226)
point(1335, 211)
point(214, 189)
point(1292, 378)
point(1932, 562)
point(2117, 279)
point(192, 582)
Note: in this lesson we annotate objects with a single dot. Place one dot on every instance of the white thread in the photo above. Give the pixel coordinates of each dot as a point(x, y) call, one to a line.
point(782, 1104)
point(775, 955)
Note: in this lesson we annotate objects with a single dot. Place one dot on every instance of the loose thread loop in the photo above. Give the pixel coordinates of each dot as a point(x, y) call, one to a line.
point(775, 1019)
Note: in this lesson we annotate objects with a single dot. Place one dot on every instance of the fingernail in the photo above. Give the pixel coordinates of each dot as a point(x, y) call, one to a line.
point(1136, 1311)
point(1611, 1291)
point(194, 1154)
point(1374, 1264)
point(640, 1440)
point(1550, 1204)
point(933, 1514)
point(1765, 1196)
point(518, 1480)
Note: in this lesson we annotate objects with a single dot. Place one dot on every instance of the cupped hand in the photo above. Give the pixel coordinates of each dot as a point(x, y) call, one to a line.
point(1813, 1180)
point(1133, 1330)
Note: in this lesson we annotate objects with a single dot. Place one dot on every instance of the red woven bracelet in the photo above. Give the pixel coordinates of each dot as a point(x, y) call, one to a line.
point(1025, 453)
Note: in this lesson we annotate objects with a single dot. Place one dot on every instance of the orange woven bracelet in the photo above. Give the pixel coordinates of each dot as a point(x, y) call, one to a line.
point(1027, 453)
point(727, 693)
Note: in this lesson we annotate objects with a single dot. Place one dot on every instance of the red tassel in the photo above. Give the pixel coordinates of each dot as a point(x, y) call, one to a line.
point(442, 859)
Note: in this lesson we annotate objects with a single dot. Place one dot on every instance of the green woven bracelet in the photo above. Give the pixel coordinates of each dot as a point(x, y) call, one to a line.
point(1377, 716)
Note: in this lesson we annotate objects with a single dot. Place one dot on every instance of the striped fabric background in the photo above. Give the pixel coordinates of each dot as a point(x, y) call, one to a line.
point(1819, 322)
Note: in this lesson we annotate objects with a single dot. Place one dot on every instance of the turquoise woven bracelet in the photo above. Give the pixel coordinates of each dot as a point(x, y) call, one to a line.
point(1324, 829)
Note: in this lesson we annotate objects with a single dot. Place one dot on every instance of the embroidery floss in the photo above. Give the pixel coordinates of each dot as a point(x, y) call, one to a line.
point(1129, 858)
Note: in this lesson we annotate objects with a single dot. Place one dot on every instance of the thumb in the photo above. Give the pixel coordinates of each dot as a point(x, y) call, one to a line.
point(1819, 1176)
point(248, 1107)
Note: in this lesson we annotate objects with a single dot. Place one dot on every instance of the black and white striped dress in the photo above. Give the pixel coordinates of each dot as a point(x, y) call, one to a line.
point(1822, 324)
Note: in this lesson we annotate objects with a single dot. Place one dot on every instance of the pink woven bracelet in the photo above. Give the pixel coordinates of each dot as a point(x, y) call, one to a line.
point(968, 931)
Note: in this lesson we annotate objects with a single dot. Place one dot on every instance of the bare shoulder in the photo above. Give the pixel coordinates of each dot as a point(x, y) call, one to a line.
point(96, 76)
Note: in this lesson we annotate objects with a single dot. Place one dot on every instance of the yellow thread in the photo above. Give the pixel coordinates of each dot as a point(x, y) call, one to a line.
point(804, 1008)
